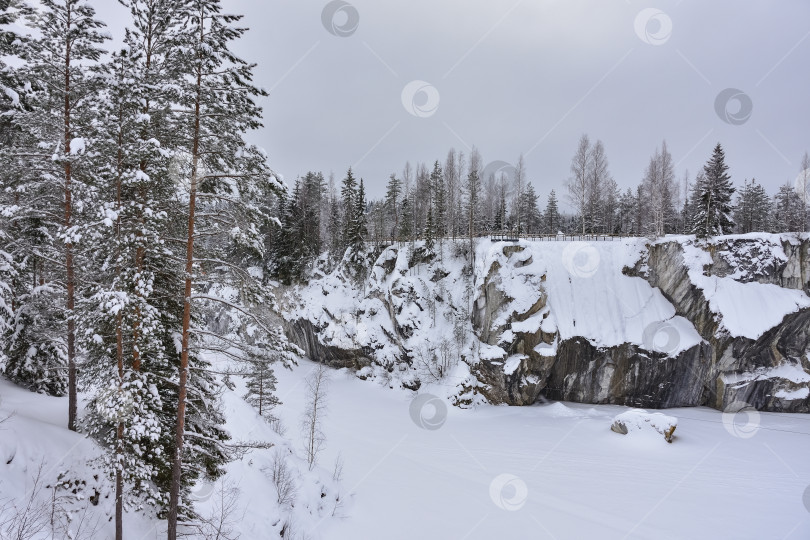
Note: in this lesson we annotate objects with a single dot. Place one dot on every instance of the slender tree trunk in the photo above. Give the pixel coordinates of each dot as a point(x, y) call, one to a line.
point(70, 282)
point(174, 499)
point(119, 349)
point(119, 480)
point(261, 391)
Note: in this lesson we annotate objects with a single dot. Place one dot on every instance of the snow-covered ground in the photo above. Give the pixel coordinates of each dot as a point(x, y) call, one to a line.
point(555, 470)
point(423, 469)
point(34, 441)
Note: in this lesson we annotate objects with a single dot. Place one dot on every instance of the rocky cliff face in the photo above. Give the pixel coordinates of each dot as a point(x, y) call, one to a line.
point(662, 324)
point(767, 369)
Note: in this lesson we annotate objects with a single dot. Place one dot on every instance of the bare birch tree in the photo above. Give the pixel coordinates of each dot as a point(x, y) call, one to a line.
point(578, 181)
point(314, 439)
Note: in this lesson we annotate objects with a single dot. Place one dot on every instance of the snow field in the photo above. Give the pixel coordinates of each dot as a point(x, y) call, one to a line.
point(557, 470)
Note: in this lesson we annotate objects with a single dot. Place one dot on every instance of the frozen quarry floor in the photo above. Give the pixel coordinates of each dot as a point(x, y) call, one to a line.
point(747, 477)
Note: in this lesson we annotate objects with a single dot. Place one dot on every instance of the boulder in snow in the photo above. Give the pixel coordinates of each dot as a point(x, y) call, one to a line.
point(640, 420)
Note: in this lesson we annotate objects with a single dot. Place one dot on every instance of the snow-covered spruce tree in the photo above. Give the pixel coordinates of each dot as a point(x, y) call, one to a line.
point(11, 87)
point(405, 230)
point(713, 212)
point(225, 183)
point(753, 208)
point(551, 217)
point(314, 192)
point(787, 216)
point(61, 122)
point(392, 201)
point(348, 193)
point(439, 201)
point(287, 250)
point(11, 104)
point(297, 241)
point(261, 383)
point(761, 214)
point(531, 214)
point(358, 233)
point(335, 233)
point(359, 226)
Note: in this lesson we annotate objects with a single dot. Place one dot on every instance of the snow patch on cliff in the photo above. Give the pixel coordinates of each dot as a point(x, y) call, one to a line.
point(588, 295)
point(744, 308)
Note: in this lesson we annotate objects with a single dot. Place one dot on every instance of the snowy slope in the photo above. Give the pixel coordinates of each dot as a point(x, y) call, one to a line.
point(34, 441)
point(36, 435)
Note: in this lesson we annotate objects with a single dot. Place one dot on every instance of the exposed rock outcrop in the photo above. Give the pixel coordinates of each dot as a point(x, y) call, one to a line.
point(636, 323)
point(770, 371)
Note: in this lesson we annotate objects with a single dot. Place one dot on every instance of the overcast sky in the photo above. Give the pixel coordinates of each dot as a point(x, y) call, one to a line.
point(529, 77)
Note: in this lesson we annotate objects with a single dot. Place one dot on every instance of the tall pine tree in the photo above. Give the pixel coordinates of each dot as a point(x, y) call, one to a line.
point(60, 120)
point(225, 182)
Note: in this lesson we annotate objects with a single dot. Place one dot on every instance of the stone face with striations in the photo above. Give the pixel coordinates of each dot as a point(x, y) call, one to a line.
point(769, 371)
point(651, 324)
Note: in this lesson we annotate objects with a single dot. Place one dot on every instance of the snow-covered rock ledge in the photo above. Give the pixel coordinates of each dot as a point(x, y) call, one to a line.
point(747, 296)
point(674, 322)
